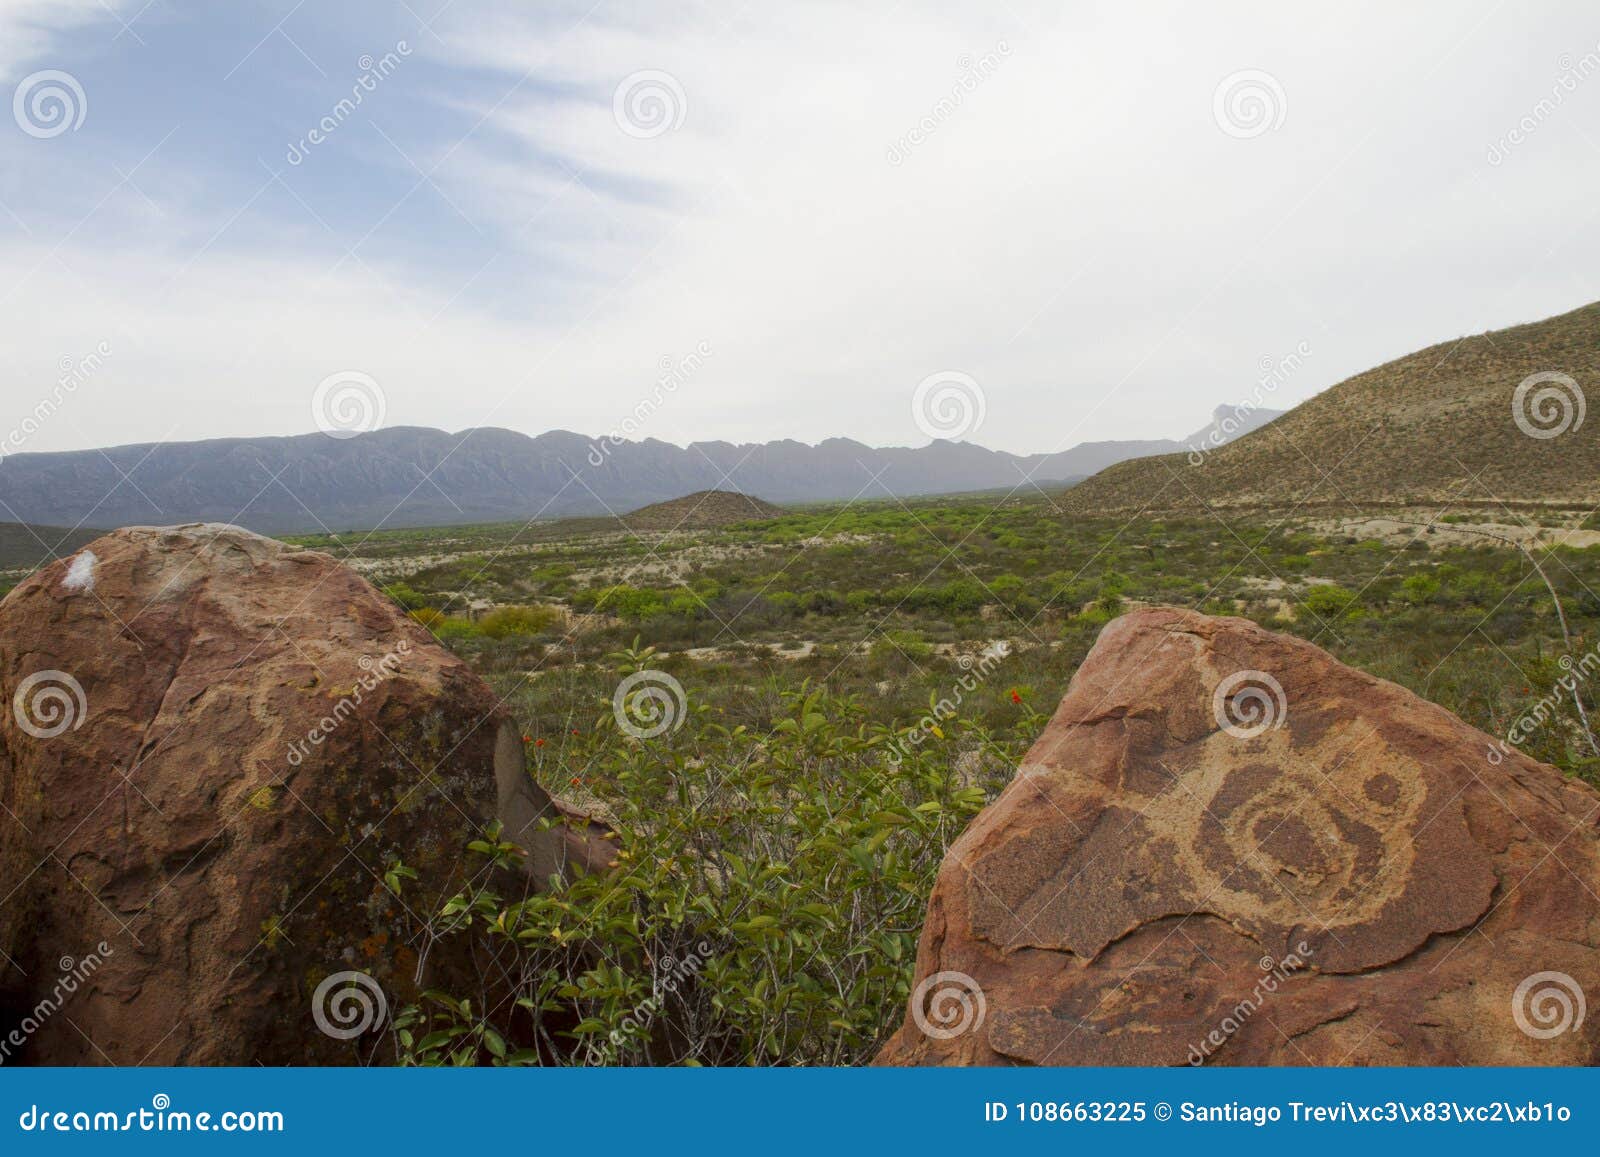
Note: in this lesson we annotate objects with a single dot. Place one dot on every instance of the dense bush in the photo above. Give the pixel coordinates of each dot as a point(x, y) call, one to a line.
point(503, 622)
point(764, 907)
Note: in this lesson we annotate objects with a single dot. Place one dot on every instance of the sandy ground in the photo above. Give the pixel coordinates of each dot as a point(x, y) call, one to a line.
point(1397, 533)
point(795, 649)
point(676, 558)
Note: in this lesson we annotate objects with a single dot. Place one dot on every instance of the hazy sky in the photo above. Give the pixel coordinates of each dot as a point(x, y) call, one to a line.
point(1107, 216)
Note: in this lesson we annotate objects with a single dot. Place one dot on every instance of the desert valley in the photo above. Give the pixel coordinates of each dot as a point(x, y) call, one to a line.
point(1272, 747)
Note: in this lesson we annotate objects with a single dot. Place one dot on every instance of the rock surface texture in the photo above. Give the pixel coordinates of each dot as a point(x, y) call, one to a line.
point(213, 748)
point(1227, 847)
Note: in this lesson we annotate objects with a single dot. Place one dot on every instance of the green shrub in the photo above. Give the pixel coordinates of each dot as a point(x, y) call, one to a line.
point(777, 879)
point(1327, 601)
point(409, 599)
point(454, 627)
point(505, 622)
point(899, 644)
point(624, 601)
point(445, 626)
point(1418, 589)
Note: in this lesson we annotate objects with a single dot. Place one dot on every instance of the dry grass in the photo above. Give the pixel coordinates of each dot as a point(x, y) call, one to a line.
point(1436, 427)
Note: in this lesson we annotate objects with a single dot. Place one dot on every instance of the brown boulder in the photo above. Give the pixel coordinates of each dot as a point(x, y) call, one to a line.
point(1227, 847)
point(213, 749)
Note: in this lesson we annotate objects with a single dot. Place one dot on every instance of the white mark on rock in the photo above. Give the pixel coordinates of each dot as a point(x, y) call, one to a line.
point(80, 575)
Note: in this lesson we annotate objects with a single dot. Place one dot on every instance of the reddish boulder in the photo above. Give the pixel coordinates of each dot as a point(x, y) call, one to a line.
point(214, 749)
point(1227, 847)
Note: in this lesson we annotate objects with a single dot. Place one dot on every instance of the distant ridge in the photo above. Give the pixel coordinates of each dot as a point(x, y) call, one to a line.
point(1484, 420)
point(413, 476)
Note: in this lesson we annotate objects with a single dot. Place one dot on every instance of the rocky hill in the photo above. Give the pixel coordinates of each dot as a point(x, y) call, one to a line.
point(1484, 420)
point(705, 510)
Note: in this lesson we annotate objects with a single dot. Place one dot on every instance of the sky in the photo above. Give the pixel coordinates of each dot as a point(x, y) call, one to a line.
point(1027, 225)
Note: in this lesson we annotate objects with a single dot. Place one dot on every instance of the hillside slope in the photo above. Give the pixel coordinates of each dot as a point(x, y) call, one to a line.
point(1438, 426)
point(705, 510)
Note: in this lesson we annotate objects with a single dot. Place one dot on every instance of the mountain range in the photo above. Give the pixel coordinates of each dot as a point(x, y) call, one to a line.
point(415, 476)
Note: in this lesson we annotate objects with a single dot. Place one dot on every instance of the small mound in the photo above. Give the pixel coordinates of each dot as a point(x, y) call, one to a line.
point(702, 510)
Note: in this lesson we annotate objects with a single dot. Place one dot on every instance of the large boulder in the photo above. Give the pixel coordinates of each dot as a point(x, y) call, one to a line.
point(1227, 847)
point(214, 749)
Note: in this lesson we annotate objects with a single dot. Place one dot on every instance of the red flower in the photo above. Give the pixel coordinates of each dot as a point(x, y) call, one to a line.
point(576, 781)
point(527, 739)
point(538, 743)
point(1015, 698)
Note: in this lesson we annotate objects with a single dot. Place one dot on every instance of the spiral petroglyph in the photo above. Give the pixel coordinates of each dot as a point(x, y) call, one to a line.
point(1150, 890)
